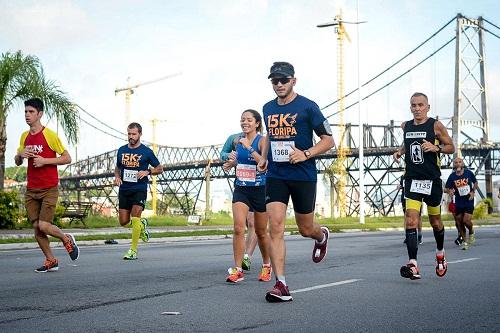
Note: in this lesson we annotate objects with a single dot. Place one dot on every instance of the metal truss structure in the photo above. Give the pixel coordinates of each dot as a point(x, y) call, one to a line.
point(186, 169)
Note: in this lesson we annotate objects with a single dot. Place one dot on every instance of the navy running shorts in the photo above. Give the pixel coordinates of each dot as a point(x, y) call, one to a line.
point(464, 209)
point(129, 198)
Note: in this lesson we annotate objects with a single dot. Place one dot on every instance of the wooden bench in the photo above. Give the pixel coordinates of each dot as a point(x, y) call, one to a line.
point(76, 211)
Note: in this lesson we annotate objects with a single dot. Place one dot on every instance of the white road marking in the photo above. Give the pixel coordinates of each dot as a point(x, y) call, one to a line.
point(462, 260)
point(171, 313)
point(321, 286)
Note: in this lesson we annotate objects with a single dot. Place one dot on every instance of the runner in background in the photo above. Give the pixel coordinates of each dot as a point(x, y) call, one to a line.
point(131, 174)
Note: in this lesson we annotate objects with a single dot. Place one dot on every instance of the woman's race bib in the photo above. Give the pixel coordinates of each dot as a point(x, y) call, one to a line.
point(130, 175)
point(280, 150)
point(246, 172)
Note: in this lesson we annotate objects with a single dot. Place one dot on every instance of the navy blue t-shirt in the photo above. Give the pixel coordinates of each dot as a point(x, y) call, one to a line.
point(131, 161)
point(288, 124)
point(462, 185)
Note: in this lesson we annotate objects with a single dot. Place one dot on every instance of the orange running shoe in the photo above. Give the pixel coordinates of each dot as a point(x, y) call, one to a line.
point(265, 273)
point(49, 265)
point(71, 247)
point(235, 275)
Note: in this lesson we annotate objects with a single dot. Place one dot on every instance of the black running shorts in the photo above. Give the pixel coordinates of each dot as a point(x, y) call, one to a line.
point(252, 196)
point(433, 199)
point(303, 193)
point(129, 198)
point(464, 209)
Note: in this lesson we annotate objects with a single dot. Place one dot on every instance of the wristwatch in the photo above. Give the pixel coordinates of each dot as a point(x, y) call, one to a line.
point(150, 172)
point(307, 153)
point(439, 148)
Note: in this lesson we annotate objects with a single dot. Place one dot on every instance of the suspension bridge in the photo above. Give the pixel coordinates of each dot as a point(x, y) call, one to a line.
point(187, 169)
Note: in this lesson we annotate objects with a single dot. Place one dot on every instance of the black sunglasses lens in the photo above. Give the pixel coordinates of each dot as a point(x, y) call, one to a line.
point(282, 80)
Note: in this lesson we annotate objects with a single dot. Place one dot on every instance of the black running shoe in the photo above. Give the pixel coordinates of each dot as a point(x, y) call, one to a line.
point(410, 271)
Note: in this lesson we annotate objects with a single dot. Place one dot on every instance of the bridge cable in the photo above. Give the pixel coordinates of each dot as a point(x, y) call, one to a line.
point(496, 26)
point(483, 28)
point(100, 130)
point(101, 122)
point(400, 76)
point(390, 67)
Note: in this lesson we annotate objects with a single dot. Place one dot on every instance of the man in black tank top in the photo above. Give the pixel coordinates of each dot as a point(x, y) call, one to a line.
point(424, 139)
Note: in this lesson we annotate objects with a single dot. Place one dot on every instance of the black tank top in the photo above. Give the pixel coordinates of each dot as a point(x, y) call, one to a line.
point(420, 165)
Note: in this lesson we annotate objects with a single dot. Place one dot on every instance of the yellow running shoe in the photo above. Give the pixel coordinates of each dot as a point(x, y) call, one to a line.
point(130, 255)
point(472, 239)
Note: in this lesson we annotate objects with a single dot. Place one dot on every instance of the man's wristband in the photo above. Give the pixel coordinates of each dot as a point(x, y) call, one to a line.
point(150, 172)
point(251, 150)
point(439, 149)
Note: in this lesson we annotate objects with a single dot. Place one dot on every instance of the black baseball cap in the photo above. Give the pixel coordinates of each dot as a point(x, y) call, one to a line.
point(281, 68)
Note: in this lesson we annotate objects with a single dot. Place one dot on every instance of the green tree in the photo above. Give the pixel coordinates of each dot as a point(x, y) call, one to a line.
point(16, 173)
point(21, 78)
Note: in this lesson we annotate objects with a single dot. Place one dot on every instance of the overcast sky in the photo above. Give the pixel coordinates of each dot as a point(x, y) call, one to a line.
point(224, 49)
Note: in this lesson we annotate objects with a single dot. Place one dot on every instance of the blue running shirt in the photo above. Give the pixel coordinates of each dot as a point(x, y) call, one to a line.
point(130, 162)
point(246, 169)
point(462, 185)
point(292, 123)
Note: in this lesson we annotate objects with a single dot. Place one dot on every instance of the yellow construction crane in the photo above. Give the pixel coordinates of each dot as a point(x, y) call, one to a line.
point(129, 90)
point(338, 167)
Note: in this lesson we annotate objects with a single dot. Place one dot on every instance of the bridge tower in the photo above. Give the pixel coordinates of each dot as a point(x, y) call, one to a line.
point(470, 117)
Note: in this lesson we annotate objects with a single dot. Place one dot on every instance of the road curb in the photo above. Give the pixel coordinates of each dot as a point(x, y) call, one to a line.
point(24, 246)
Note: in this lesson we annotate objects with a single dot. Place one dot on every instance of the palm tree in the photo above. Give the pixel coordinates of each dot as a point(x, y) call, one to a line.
point(21, 78)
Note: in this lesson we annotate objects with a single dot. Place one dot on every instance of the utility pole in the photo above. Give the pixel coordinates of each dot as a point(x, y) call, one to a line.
point(154, 189)
point(207, 192)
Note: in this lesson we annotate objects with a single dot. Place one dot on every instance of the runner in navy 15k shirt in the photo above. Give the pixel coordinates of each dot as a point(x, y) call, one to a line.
point(291, 120)
point(131, 174)
point(461, 185)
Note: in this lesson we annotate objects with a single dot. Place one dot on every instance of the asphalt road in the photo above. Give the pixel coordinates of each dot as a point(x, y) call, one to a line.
point(356, 289)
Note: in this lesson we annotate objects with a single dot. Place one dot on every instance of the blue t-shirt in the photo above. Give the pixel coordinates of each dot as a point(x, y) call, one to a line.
point(131, 161)
point(246, 169)
point(292, 123)
point(462, 185)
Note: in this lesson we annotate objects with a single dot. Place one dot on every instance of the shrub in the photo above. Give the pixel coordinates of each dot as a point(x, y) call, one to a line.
point(58, 216)
point(9, 209)
point(481, 210)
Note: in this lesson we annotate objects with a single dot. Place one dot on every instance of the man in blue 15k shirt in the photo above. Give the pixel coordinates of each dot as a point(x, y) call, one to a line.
point(131, 174)
point(291, 120)
point(461, 183)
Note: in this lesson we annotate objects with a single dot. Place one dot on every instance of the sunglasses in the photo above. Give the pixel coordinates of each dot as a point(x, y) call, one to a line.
point(282, 80)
